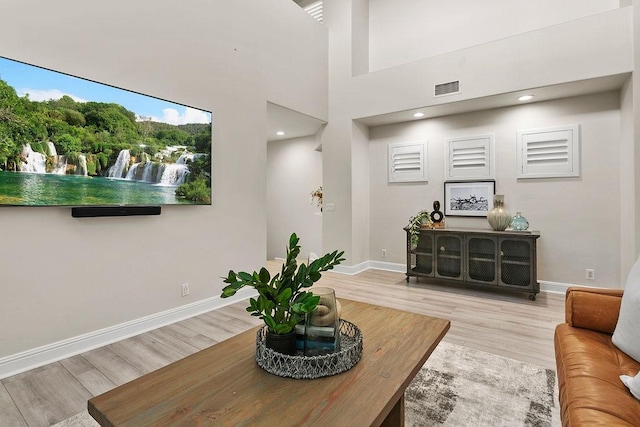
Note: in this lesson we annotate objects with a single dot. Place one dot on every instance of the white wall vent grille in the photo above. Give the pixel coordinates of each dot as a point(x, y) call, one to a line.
point(407, 162)
point(315, 10)
point(447, 88)
point(470, 158)
point(549, 153)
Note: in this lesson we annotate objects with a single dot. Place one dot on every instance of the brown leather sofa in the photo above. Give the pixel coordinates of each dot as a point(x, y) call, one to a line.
point(589, 365)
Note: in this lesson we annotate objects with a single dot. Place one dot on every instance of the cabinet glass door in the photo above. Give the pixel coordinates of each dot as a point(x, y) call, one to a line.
point(424, 255)
point(449, 257)
point(481, 259)
point(515, 262)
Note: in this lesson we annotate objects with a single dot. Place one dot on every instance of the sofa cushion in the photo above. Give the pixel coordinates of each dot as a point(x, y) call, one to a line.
point(593, 308)
point(589, 369)
point(633, 383)
point(627, 333)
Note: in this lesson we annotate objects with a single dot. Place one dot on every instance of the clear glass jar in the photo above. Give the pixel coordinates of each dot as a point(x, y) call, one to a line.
point(322, 326)
point(518, 222)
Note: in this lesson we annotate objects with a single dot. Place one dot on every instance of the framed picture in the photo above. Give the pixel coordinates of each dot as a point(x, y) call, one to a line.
point(468, 198)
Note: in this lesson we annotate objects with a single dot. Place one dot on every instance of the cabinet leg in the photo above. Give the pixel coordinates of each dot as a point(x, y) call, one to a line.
point(407, 279)
point(532, 297)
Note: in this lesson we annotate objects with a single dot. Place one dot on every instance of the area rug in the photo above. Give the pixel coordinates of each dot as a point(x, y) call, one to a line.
point(83, 419)
point(460, 387)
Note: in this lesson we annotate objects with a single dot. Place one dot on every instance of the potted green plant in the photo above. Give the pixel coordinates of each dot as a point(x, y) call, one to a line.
point(415, 223)
point(283, 300)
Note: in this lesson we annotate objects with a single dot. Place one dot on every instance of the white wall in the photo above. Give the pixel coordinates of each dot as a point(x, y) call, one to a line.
point(578, 218)
point(402, 31)
point(595, 45)
point(590, 47)
point(629, 230)
point(634, 224)
point(62, 277)
point(360, 170)
point(294, 170)
point(337, 225)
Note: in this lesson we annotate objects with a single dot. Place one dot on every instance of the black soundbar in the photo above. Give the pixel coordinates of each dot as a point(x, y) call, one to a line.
point(94, 211)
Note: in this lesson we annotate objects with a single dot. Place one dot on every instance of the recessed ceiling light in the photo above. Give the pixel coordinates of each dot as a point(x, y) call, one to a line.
point(418, 114)
point(525, 97)
point(280, 133)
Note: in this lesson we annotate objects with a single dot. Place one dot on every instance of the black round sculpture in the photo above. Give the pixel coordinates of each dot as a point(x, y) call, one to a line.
point(436, 215)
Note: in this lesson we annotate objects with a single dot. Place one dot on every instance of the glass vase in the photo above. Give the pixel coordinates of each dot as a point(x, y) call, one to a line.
point(519, 223)
point(322, 326)
point(499, 217)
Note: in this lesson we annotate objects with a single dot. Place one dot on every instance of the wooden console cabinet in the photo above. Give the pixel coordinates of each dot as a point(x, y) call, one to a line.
point(504, 259)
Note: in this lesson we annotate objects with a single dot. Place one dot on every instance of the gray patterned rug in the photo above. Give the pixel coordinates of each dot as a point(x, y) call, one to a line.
point(460, 387)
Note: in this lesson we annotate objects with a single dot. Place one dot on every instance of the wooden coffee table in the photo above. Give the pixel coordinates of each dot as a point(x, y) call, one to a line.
point(222, 385)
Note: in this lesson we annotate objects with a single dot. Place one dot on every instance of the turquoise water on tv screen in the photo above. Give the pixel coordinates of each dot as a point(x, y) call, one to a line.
point(19, 188)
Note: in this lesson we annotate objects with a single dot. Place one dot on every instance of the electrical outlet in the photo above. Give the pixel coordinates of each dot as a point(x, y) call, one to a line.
point(384, 253)
point(591, 274)
point(185, 289)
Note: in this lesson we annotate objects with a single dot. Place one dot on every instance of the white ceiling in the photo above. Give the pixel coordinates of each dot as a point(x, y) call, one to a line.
point(583, 87)
point(296, 125)
point(292, 123)
point(304, 3)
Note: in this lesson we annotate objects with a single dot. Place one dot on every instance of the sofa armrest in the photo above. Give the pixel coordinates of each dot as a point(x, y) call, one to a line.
point(593, 308)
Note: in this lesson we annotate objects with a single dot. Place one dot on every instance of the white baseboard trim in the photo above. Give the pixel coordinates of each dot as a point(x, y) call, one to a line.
point(388, 266)
point(40, 356)
point(352, 269)
point(555, 287)
point(545, 286)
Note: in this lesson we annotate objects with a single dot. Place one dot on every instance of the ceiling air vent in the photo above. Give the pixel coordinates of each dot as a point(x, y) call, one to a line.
point(312, 7)
point(447, 88)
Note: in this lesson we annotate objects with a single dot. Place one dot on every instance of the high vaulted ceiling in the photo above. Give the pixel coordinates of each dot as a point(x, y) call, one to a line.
point(292, 123)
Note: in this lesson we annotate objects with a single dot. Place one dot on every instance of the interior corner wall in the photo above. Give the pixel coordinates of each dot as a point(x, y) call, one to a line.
point(628, 186)
point(403, 31)
point(360, 37)
point(578, 218)
point(63, 277)
point(336, 136)
point(636, 123)
point(360, 193)
point(294, 170)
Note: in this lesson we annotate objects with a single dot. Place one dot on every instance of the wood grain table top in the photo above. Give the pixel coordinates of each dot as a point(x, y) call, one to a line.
point(222, 385)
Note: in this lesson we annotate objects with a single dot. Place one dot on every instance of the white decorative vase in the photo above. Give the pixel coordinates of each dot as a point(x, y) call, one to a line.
point(499, 217)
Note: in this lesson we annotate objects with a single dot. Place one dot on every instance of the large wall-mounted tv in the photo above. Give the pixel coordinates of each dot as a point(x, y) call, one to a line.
point(69, 141)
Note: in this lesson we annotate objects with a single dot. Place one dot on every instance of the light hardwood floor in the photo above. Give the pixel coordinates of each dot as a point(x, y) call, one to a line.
point(506, 324)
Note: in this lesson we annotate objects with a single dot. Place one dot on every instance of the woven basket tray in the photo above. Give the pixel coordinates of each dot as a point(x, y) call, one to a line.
point(309, 367)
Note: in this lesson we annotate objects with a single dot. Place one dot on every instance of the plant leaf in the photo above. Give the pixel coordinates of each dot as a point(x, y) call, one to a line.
point(245, 277)
point(228, 291)
point(282, 328)
point(293, 240)
point(271, 324)
point(264, 275)
point(231, 277)
point(284, 296)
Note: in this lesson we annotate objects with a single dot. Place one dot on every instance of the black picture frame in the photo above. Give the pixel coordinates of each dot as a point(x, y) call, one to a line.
point(468, 198)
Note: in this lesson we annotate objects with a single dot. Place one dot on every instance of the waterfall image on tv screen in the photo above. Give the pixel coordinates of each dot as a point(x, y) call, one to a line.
point(68, 141)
